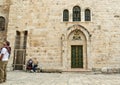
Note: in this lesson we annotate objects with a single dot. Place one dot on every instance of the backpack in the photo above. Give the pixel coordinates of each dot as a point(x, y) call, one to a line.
point(9, 50)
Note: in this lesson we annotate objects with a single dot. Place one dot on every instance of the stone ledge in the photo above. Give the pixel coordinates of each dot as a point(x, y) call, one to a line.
point(43, 70)
point(110, 70)
point(51, 70)
point(96, 70)
point(107, 70)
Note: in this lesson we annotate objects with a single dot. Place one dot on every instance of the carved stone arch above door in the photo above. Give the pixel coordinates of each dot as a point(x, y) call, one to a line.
point(81, 28)
point(77, 37)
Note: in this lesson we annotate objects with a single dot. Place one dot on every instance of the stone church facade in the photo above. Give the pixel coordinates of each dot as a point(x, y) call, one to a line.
point(66, 35)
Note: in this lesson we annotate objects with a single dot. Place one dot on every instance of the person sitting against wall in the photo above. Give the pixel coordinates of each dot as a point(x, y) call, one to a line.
point(29, 64)
point(35, 64)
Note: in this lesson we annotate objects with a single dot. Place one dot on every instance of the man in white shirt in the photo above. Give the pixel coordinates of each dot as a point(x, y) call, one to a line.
point(4, 56)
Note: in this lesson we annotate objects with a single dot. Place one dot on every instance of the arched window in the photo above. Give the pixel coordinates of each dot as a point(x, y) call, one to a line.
point(76, 13)
point(65, 15)
point(87, 15)
point(2, 23)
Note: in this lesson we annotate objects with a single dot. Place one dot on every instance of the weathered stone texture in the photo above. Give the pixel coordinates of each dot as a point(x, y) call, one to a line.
point(43, 19)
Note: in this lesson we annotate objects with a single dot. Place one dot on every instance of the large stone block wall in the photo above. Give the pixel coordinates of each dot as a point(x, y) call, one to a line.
point(43, 21)
point(4, 12)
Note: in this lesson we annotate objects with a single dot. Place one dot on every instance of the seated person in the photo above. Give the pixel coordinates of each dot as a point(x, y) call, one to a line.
point(35, 64)
point(29, 64)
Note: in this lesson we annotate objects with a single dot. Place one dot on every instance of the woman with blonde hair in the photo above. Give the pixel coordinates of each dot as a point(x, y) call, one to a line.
point(35, 64)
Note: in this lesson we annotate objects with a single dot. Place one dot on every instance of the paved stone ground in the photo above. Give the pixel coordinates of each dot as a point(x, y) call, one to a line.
point(26, 78)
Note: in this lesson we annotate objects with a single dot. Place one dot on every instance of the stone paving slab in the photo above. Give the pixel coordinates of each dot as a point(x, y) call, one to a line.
point(26, 78)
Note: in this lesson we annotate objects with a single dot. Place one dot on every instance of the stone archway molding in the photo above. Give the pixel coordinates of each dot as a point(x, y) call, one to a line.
point(81, 28)
point(65, 46)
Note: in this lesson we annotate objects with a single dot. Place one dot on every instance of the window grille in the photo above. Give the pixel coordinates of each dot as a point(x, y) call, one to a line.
point(65, 15)
point(87, 15)
point(2, 23)
point(76, 13)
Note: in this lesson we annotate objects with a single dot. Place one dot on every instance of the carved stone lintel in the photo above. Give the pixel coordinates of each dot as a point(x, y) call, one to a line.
point(76, 35)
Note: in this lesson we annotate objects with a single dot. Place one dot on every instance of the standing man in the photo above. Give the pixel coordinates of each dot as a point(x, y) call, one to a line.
point(4, 56)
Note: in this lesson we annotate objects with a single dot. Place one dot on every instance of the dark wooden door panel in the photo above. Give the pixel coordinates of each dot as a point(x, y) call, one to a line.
point(76, 56)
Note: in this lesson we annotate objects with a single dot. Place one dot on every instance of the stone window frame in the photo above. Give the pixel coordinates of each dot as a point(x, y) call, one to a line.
point(76, 13)
point(87, 15)
point(66, 15)
point(82, 15)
